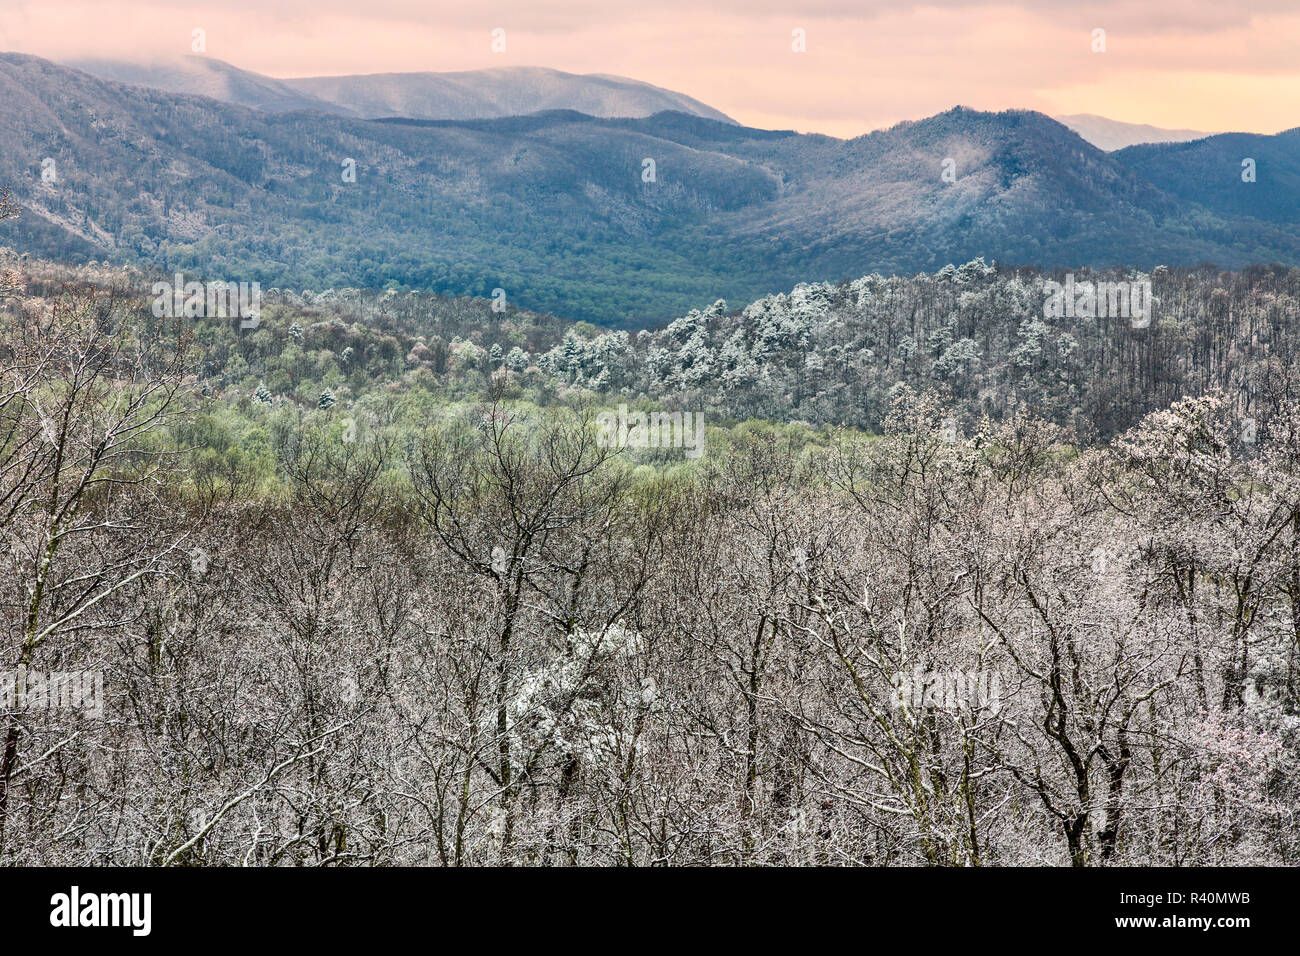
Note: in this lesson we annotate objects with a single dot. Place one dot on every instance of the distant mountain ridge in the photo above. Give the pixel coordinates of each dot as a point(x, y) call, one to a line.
point(486, 94)
point(560, 209)
point(472, 94)
point(1110, 135)
point(1187, 170)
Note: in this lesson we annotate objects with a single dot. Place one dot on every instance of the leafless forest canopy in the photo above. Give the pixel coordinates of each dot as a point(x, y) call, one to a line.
point(496, 640)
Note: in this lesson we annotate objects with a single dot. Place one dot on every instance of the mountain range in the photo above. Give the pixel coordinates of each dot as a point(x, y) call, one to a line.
point(624, 221)
point(471, 94)
point(483, 94)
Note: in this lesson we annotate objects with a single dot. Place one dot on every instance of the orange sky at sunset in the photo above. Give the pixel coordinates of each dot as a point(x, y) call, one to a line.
point(1221, 65)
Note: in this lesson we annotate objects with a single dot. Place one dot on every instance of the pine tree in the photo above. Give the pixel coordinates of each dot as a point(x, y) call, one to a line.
point(517, 360)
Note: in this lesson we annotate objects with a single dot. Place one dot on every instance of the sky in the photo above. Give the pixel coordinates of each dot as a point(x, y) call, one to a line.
point(1208, 65)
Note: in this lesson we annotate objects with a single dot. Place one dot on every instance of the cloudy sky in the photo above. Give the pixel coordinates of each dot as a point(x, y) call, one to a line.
point(1198, 64)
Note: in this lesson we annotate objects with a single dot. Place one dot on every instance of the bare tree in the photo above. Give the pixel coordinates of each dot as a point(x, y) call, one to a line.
point(84, 386)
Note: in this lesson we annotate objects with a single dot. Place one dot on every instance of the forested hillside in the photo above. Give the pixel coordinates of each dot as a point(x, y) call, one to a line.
point(624, 222)
point(820, 354)
point(1193, 170)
